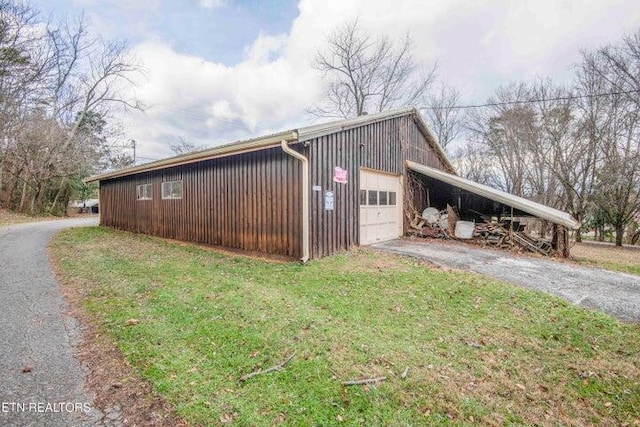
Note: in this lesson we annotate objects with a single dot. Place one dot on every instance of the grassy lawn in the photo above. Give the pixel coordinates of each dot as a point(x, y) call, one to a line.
point(624, 259)
point(192, 322)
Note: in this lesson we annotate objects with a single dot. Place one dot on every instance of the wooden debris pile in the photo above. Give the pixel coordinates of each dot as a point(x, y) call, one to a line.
point(501, 235)
point(436, 227)
point(508, 237)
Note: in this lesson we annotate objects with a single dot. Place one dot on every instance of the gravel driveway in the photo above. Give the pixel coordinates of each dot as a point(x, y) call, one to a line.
point(41, 381)
point(615, 293)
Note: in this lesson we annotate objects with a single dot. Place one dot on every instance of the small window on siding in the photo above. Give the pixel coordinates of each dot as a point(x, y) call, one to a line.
point(382, 198)
point(392, 198)
point(373, 198)
point(363, 197)
point(172, 190)
point(143, 192)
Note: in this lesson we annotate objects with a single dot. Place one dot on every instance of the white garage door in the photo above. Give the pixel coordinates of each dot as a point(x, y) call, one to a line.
point(380, 207)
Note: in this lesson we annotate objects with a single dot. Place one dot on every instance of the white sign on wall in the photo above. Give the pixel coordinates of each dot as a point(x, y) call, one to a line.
point(328, 200)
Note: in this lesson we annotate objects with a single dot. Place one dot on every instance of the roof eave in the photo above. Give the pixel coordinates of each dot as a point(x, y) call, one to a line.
point(299, 135)
point(212, 153)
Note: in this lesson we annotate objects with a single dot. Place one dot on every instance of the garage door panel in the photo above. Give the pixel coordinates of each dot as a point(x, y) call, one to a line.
point(381, 212)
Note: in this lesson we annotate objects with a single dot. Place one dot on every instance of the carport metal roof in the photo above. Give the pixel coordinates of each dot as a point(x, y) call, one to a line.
point(536, 209)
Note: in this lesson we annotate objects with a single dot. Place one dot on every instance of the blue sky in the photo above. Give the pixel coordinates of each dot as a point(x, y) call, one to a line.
point(222, 70)
point(218, 33)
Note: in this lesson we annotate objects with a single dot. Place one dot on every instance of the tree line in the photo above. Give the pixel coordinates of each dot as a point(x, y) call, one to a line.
point(58, 87)
point(574, 147)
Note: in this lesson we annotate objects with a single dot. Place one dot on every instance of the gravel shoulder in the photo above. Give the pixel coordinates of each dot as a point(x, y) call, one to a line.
point(612, 292)
point(42, 381)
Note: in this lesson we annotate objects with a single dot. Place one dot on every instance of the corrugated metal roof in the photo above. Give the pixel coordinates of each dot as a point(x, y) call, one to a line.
point(536, 209)
point(245, 146)
point(269, 141)
point(316, 131)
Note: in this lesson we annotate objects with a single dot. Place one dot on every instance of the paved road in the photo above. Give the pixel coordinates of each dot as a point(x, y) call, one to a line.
point(615, 293)
point(36, 332)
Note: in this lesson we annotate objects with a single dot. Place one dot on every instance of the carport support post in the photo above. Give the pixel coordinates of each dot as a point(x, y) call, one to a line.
point(563, 239)
point(511, 228)
point(560, 240)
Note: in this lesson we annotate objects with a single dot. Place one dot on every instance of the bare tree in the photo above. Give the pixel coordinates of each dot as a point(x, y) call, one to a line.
point(88, 75)
point(525, 132)
point(619, 66)
point(443, 115)
point(17, 78)
point(59, 85)
point(616, 68)
point(474, 161)
point(576, 149)
point(506, 130)
point(579, 156)
point(555, 132)
point(18, 71)
point(182, 146)
point(366, 75)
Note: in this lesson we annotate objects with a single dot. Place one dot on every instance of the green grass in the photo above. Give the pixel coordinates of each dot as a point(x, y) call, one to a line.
point(623, 267)
point(613, 266)
point(622, 259)
point(479, 352)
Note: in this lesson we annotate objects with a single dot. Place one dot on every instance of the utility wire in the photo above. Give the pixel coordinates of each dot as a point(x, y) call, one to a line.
point(531, 101)
point(147, 159)
point(200, 114)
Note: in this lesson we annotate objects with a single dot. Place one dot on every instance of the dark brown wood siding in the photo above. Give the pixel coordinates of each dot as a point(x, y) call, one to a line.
point(337, 229)
point(249, 201)
point(388, 143)
point(383, 146)
point(252, 201)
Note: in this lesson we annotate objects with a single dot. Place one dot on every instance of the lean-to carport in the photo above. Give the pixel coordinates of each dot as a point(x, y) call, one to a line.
point(471, 197)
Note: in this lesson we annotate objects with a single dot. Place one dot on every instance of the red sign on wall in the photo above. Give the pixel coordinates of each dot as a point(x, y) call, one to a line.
point(339, 175)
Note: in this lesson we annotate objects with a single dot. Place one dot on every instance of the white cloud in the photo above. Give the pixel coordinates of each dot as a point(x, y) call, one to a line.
point(478, 45)
point(212, 4)
point(502, 41)
point(265, 48)
point(208, 103)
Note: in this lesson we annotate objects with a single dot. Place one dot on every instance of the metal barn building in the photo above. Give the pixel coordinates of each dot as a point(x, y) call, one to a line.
point(303, 193)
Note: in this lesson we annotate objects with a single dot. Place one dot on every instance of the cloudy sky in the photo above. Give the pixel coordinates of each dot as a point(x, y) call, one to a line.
point(222, 70)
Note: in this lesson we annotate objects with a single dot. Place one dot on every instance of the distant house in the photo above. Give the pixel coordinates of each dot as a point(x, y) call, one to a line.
point(84, 206)
point(304, 193)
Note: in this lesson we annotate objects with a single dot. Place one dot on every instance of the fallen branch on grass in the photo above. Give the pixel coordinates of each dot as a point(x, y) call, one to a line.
point(365, 381)
point(404, 374)
point(277, 367)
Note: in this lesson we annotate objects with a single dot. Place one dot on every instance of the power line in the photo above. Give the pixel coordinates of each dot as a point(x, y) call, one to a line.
point(531, 101)
point(199, 114)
